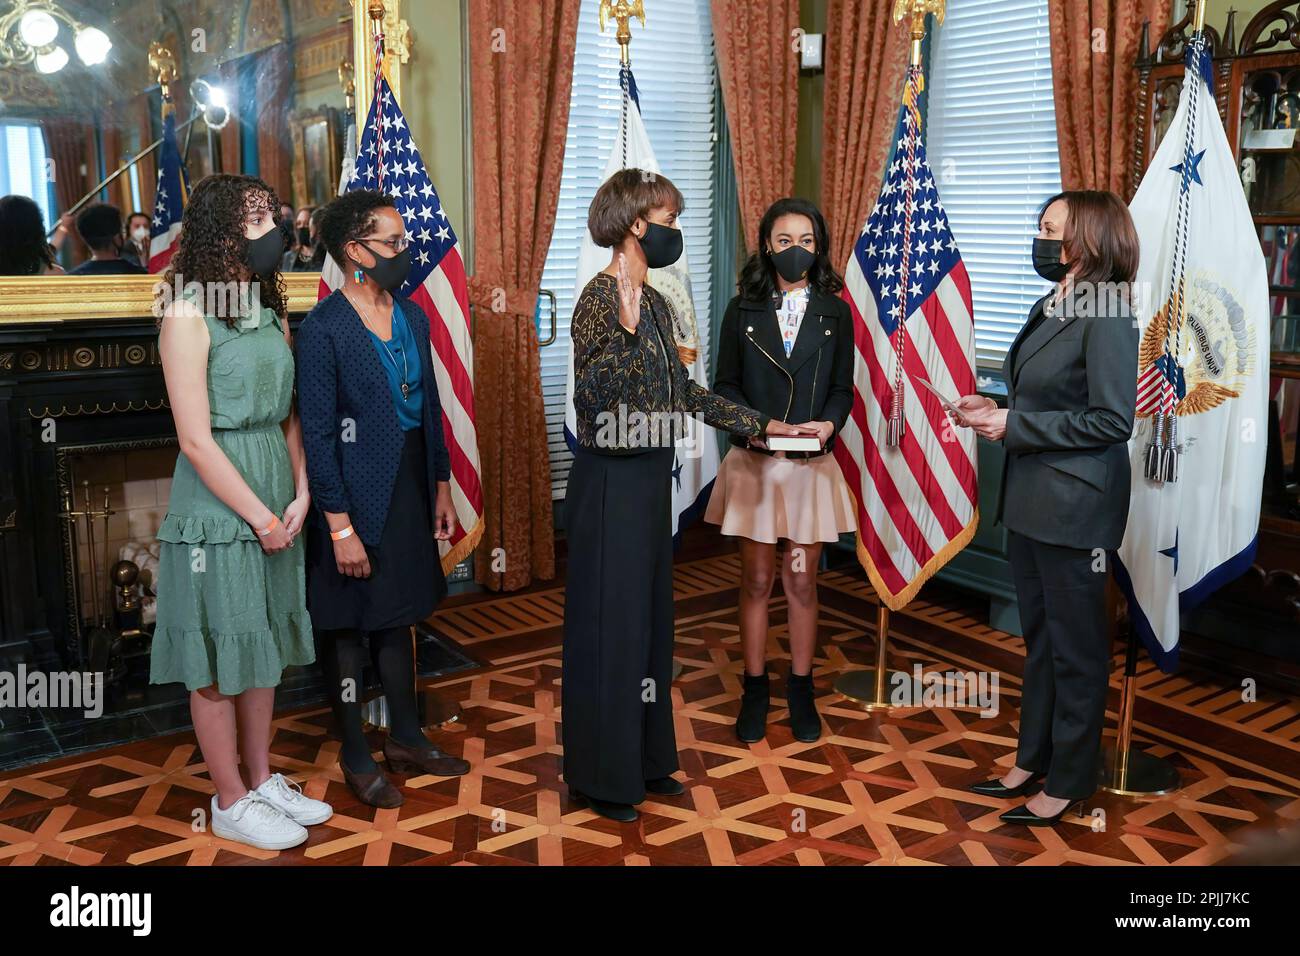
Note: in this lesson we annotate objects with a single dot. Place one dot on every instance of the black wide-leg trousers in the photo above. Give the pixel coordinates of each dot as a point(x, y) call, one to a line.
point(1062, 597)
point(616, 699)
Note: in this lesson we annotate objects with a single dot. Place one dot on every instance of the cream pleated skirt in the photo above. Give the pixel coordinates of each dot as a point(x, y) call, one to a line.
point(765, 498)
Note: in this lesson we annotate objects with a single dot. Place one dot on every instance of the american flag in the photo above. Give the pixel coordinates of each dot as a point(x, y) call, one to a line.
point(387, 160)
point(911, 302)
point(169, 198)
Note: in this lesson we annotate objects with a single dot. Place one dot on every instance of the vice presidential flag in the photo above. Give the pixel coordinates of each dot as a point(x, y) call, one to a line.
point(1197, 452)
point(169, 198)
point(696, 462)
point(912, 472)
point(388, 160)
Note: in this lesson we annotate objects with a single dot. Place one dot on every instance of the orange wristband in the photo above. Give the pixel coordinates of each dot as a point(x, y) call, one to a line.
point(341, 534)
point(269, 528)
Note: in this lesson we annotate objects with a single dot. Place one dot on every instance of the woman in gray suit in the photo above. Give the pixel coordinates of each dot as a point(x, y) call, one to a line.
point(1071, 390)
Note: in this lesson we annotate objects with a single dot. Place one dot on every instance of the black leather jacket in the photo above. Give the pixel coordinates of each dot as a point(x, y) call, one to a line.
point(814, 384)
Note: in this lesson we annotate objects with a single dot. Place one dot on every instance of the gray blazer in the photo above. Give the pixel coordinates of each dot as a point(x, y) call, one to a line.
point(1071, 393)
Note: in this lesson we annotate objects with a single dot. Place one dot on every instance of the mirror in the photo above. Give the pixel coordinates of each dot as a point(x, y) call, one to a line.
point(260, 87)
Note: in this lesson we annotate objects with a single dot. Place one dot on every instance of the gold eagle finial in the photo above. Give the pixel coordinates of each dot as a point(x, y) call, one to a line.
point(917, 9)
point(621, 11)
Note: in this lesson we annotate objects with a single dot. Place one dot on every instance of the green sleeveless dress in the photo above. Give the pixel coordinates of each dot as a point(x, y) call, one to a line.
point(228, 613)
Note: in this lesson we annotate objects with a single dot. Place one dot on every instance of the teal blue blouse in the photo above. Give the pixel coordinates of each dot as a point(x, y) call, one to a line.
point(402, 343)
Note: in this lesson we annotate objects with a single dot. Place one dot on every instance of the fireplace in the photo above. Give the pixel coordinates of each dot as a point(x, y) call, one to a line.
point(82, 407)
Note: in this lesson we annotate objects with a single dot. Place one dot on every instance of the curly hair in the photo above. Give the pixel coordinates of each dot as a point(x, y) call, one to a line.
point(350, 217)
point(213, 246)
point(23, 249)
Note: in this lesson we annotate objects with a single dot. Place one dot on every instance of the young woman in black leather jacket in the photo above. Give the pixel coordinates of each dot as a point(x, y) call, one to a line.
point(786, 350)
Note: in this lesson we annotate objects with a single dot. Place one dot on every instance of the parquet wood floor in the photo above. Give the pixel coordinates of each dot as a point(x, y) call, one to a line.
point(877, 788)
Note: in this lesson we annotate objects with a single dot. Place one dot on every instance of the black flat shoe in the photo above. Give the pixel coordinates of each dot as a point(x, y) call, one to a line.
point(1026, 817)
point(665, 787)
point(996, 788)
point(622, 812)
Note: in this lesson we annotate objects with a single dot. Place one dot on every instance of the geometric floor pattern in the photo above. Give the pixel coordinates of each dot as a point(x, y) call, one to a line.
point(877, 788)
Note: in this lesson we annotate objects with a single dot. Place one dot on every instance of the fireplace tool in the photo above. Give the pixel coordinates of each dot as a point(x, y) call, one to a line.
point(101, 645)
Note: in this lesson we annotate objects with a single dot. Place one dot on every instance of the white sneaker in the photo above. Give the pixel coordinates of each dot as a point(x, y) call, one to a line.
point(288, 798)
point(252, 819)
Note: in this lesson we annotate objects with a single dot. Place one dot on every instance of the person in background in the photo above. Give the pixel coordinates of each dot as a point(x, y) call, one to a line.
point(100, 228)
point(786, 349)
point(617, 656)
point(24, 250)
point(380, 476)
point(136, 247)
point(1071, 379)
point(310, 254)
point(231, 605)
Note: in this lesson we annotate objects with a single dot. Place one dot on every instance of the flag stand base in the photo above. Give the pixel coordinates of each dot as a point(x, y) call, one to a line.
point(867, 687)
point(1126, 771)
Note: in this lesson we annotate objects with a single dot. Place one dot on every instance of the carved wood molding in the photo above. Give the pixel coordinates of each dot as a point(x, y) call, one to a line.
point(1282, 21)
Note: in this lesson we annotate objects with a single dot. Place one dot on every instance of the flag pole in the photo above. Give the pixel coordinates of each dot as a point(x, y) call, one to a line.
point(867, 687)
point(1126, 771)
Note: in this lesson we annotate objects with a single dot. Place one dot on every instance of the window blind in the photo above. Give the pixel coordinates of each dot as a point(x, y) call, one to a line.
point(23, 170)
point(992, 146)
point(672, 60)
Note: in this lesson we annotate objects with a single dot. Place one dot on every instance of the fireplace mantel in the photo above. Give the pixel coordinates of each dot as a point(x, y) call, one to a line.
point(79, 369)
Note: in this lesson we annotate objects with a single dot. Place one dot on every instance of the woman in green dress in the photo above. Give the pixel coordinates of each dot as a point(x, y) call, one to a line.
point(231, 596)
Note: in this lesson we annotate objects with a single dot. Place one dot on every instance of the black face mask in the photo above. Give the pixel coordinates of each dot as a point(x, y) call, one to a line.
point(793, 264)
point(304, 236)
point(661, 244)
point(390, 273)
point(264, 253)
point(1047, 259)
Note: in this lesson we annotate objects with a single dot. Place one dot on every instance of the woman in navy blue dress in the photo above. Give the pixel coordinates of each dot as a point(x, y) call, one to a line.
point(380, 474)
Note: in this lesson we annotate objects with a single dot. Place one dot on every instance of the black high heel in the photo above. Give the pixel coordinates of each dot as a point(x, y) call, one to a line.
point(622, 812)
point(996, 788)
point(1026, 817)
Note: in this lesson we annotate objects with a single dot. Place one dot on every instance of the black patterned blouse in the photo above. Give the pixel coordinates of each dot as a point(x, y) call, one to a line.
point(631, 388)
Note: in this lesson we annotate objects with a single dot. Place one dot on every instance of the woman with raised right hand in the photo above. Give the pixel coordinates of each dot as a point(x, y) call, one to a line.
point(631, 392)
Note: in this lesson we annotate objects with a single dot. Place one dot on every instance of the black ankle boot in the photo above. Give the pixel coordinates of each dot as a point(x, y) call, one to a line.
point(751, 725)
point(804, 722)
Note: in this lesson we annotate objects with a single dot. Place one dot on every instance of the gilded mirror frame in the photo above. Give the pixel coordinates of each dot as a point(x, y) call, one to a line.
point(36, 300)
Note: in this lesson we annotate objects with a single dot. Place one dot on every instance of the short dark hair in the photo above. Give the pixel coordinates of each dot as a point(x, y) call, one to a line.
point(626, 197)
point(139, 215)
point(98, 225)
point(1099, 235)
point(350, 217)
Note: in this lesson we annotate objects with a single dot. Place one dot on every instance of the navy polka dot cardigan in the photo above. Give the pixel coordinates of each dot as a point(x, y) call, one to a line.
point(350, 430)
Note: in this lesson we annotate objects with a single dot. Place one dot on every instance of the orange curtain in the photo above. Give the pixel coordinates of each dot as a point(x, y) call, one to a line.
point(758, 65)
point(1094, 46)
point(520, 80)
point(866, 63)
point(66, 139)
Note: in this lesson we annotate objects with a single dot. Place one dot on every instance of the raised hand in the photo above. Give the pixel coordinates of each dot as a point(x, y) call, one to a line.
point(629, 297)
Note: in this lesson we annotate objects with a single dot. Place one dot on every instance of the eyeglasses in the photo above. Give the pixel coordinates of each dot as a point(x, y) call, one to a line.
point(397, 245)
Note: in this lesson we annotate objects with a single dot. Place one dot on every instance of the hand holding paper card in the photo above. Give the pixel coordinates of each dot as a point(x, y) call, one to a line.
point(947, 403)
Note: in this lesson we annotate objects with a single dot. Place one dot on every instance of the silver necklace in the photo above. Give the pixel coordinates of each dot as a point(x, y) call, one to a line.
point(406, 389)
